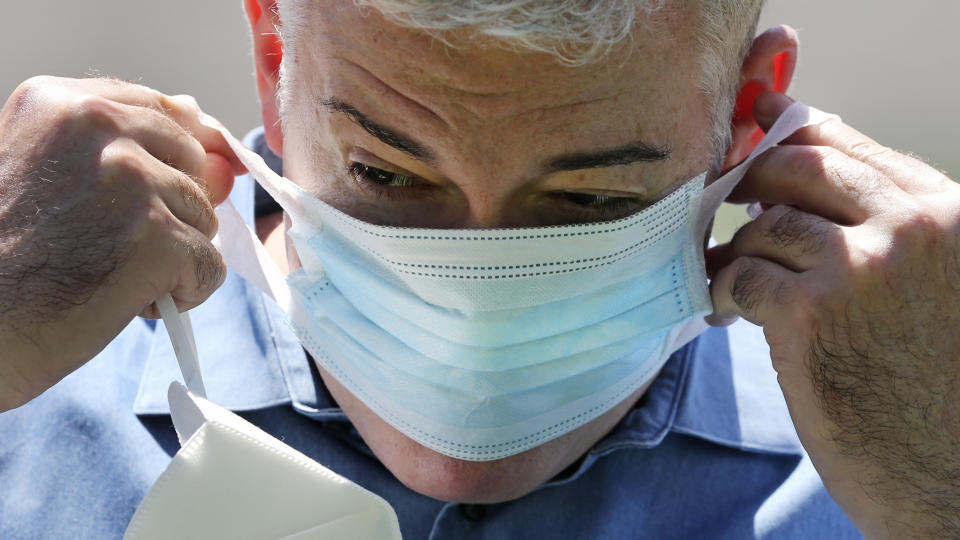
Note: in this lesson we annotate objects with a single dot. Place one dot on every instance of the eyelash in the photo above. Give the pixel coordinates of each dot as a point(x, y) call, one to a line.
point(394, 186)
point(397, 186)
point(590, 207)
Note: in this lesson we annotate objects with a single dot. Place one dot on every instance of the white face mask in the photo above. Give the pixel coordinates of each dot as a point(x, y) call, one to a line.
point(232, 480)
point(481, 344)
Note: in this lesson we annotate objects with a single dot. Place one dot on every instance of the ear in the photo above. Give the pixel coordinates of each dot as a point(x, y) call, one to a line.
point(768, 67)
point(267, 54)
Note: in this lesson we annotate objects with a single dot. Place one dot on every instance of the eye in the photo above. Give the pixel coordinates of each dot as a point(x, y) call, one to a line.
point(597, 207)
point(588, 199)
point(372, 175)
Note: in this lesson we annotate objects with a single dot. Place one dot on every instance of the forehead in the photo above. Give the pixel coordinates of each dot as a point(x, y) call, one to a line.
point(464, 59)
point(460, 82)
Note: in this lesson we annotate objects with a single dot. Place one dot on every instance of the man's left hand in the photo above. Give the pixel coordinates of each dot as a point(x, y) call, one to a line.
point(853, 270)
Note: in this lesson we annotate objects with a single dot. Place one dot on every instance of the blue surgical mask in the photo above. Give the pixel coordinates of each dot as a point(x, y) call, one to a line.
point(481, 344)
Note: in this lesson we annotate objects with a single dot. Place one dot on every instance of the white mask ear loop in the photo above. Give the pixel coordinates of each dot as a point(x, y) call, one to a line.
point(795, 117)
point(181, 335)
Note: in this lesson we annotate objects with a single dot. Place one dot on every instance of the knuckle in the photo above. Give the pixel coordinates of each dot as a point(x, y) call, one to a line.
point(785, 226)
point(196, 196)
point(924, 224)
point(850, 175)
point(122, 162)
point(808, 161)
point(866, 150)
point(184, 143)
point(804, 233)
point(828, 165)
point(29, 90)
point(38, 83)
point(41, 96)
point(208, 266)
point(748, 282)
point(171, 108)
point(923, 231)
point(38, 86)
point(161, 116)
point(870, 263)
point(181, 135)
point(158, 221)
point(93, 109)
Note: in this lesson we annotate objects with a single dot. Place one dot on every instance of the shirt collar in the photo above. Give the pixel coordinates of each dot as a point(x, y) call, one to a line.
point(732, 396)
point(721, 387)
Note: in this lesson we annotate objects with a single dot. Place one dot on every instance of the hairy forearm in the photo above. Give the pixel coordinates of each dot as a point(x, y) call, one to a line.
point(14, 384)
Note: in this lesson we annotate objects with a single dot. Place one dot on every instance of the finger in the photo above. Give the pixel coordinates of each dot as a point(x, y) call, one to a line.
point(752, 288)
point(782, 234)
point(198, 268)
point(180, 110)
point(124, 161)
point(218, 177)
point(909, 173)
point(167, 141)
point(818, 179)
point(162, 137)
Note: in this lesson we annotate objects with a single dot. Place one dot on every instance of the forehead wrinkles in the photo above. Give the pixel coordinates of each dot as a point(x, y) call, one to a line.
point(482, 100)
point(476, 78)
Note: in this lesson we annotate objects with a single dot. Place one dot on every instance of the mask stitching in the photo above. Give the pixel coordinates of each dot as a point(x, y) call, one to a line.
point(615, 257)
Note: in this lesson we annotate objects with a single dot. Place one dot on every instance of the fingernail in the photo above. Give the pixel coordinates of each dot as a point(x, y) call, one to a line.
point(714, 319)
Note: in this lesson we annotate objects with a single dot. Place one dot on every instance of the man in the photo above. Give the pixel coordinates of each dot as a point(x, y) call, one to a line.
point(443, 116)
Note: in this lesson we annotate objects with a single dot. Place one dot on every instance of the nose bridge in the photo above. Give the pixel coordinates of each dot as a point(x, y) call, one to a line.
point(489, 179)
point(487, 207)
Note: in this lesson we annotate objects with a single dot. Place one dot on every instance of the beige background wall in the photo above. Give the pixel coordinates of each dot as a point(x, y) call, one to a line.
point(891, 68)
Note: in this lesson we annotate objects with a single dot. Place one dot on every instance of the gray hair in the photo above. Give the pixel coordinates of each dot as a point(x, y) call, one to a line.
point(577, 32)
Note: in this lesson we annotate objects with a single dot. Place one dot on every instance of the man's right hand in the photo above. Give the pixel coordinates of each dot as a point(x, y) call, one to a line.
point(107, 192)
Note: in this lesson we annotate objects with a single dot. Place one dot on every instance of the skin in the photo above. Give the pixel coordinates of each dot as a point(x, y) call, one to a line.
point(852, 271)
point(106, 190)
point(490, 118)
point(106, 201)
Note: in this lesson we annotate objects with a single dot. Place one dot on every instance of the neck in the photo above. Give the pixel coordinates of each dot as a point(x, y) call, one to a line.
point(270, 231)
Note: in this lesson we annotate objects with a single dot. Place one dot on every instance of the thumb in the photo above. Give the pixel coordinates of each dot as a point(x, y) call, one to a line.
point(768, 107)
point(218, 177)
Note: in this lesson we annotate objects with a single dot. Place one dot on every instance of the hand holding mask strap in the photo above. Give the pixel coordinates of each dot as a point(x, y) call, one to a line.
point(232, 480)
point(796, 117)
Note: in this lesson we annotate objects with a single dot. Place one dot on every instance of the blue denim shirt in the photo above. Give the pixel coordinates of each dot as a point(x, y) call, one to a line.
point(708, 452)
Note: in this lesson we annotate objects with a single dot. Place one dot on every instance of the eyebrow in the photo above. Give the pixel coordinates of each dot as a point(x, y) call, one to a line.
point(388, 136)
point(635, 152)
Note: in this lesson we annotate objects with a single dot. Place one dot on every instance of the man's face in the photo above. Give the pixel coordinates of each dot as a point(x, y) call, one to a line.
point(393, 127)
